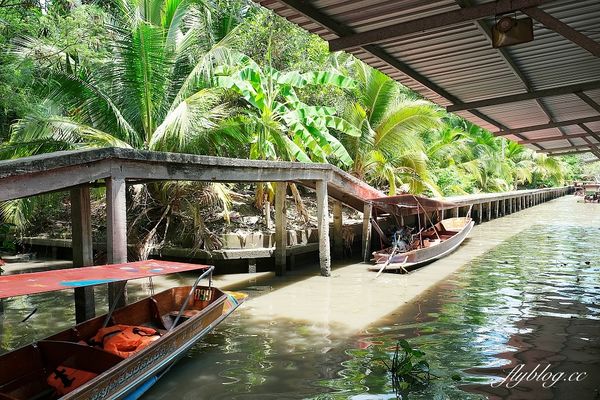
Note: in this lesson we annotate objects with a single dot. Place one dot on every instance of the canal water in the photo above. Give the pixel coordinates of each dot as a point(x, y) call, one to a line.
point(532, 299)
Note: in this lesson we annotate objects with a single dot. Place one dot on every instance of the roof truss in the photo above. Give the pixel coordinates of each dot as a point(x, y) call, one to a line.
point(548, 126)
point(565, 30)
point(557, 137)
point(531, 95)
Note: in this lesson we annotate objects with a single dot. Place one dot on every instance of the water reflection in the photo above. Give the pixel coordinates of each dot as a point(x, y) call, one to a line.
point(533, 299)
point(519, 303)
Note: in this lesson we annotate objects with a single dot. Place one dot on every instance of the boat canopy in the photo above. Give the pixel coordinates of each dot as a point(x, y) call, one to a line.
point(395, 204)
point(60, 279)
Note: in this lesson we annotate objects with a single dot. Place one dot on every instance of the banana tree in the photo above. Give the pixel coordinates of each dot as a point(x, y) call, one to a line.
point(280, 125)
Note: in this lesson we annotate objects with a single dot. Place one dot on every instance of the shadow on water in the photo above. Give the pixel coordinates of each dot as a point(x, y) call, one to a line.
point(532, 299)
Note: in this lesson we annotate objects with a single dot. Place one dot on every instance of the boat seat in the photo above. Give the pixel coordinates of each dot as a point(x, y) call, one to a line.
point(159, 321)
point(24, 374)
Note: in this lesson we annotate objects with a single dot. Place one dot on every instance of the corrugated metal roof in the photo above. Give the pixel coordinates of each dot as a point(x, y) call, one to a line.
point(457, 64)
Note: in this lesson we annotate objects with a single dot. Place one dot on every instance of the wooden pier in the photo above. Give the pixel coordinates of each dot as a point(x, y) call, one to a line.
point(116, 168)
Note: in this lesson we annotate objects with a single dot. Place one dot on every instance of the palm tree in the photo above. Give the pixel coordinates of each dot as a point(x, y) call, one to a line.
point(390, 149)
point(154, 90)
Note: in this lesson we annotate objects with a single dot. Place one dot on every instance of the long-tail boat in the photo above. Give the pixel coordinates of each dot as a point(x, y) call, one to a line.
point(119, 355)
point(428, 243)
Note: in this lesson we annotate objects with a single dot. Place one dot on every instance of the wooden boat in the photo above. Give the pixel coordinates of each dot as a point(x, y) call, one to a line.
point(180, 317)
point(436, 242)
point(427, 245)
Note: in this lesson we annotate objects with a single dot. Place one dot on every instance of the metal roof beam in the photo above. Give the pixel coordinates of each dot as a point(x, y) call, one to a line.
point(547, 126)
point(304, 8)
point(595, 135)
point(433, 22)
point(569, 153)
point(589, 101)
point(563, 29)
point(531, 95)
point(506, 57)
point(554, 138)
point(581, 146)
point(341, 30)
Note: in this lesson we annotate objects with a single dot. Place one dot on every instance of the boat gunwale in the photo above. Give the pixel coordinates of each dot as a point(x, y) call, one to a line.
point(155, 345)
point(460, 234)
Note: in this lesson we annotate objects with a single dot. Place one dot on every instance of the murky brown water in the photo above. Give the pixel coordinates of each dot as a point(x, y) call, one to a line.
point(533, 299)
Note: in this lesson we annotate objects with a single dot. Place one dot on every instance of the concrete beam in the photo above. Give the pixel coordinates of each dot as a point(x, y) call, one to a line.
point(563, 29)
point(116, 234)
point(323, 224)
point(83, 254)
point(280, 228)
point(513, 98)
point(449, 18)
point(16, 186)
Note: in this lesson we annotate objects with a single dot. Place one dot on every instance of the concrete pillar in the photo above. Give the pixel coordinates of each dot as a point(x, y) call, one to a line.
point(83, 253)
point(116, 234)
point(280, 228)
point(366, 232)
point(323, 223)
point(338, 223)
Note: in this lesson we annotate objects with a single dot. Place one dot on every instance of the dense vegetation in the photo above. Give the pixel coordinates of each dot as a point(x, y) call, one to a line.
point(217, 76)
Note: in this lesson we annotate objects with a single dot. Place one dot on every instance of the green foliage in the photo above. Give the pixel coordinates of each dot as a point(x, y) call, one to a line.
point(280, 125)
point(408, 370)
point(229, 78)
point(389, 150)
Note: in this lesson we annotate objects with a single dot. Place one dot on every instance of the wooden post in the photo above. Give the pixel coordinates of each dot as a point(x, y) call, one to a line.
point(456, 212)
point(497, 208)
point(442, 214)
point(280, 228)
point(83, 255)
point(366, 231)
point(323, 224)
point(520, 202)
point(480, 212)
point(116, 234)
point(338, 223)
point(504, 207)
point(489, 211)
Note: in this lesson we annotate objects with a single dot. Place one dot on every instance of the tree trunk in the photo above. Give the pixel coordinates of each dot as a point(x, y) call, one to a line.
point(299, 203)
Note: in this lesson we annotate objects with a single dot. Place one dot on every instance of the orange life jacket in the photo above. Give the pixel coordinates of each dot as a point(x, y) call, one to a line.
point(64, 379)
point(124, 340)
